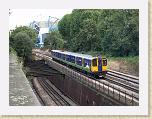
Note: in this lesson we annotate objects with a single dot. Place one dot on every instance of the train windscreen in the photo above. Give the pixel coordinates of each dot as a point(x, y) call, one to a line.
point(94, 62)
point(104, 62)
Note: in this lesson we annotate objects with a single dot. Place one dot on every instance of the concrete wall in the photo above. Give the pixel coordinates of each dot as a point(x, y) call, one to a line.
point(78, 92)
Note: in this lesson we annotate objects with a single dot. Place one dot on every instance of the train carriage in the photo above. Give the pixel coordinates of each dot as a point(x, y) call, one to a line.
point(96, 66)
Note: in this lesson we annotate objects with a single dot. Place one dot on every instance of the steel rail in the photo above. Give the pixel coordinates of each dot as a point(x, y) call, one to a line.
point(127, 77)
point(53, 94)
point(128, 81)
point(57, 97)
point(134, 89)
point(49, 93)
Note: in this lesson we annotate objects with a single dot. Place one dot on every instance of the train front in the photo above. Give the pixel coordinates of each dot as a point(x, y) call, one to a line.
point(102, 66)
point(99, 66)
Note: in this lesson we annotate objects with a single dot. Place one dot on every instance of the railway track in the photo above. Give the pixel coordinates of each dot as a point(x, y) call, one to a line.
point(120, 89)
point(54, 95)
point(42, 73)
point(119, 81)
point(124, 80)
point(127, 81)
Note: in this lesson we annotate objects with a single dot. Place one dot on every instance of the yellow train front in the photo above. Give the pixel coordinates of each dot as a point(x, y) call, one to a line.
point(99, 66)
point(94, 66)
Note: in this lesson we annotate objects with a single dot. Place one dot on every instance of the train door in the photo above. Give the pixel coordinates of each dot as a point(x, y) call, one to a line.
point(104, 64)
point(99, 64)
point(94, 67)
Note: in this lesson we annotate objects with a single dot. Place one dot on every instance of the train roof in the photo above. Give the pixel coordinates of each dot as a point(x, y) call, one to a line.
point(75, 54)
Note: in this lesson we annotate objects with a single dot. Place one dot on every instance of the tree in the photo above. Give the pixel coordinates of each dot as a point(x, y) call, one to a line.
point(86, 39)
point(111, 32)
point(64, 29)
point(54, 40)
point(117, 35)
point(29, 31)
point(23, 45)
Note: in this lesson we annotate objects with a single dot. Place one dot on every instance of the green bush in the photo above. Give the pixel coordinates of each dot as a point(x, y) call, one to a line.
point(54, 41)
point(23, 45)
point(11, 50)
point(29, 31)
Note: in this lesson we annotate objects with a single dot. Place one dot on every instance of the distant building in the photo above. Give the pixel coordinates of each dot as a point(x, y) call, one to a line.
point(44, 36)
point(43, 28)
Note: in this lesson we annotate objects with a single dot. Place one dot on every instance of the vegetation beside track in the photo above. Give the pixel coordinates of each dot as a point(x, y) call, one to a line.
point(21, 42)
point(129, 65)
point(109, 31)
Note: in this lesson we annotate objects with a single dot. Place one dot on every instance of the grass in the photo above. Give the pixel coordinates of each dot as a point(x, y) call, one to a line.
point(130, 59)
point(128, 65)
point(19, 59)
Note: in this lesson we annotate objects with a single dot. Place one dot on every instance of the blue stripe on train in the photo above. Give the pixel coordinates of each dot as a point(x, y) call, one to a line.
point(99, 65)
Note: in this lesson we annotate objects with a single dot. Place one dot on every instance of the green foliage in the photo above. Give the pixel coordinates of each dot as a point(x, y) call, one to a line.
point(111, 32)
point(88, 32)
point(23, 45)
point(54, 40)
point(11, 50)
point(64, 29)
point(29, 31)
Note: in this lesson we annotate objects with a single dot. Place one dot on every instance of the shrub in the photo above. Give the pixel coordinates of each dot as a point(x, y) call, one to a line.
point(23, 45)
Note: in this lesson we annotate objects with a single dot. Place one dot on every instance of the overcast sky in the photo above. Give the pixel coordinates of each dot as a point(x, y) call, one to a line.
point(25, 16)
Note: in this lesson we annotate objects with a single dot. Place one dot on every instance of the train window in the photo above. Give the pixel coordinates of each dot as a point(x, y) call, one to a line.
point(63, 56)
point(72, 59)
point(79, 61)
point(59, 55)
point(87, 62)
point(68, 58)
point(94, 62)
point(104, 62)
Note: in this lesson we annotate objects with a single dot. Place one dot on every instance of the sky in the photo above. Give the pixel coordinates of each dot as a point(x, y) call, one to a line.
point(22, 17)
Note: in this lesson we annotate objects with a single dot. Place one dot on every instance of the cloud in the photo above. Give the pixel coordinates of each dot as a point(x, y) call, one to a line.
point(25, 16)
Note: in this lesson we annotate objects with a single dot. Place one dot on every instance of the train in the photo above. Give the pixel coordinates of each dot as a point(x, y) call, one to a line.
point(92, 66)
